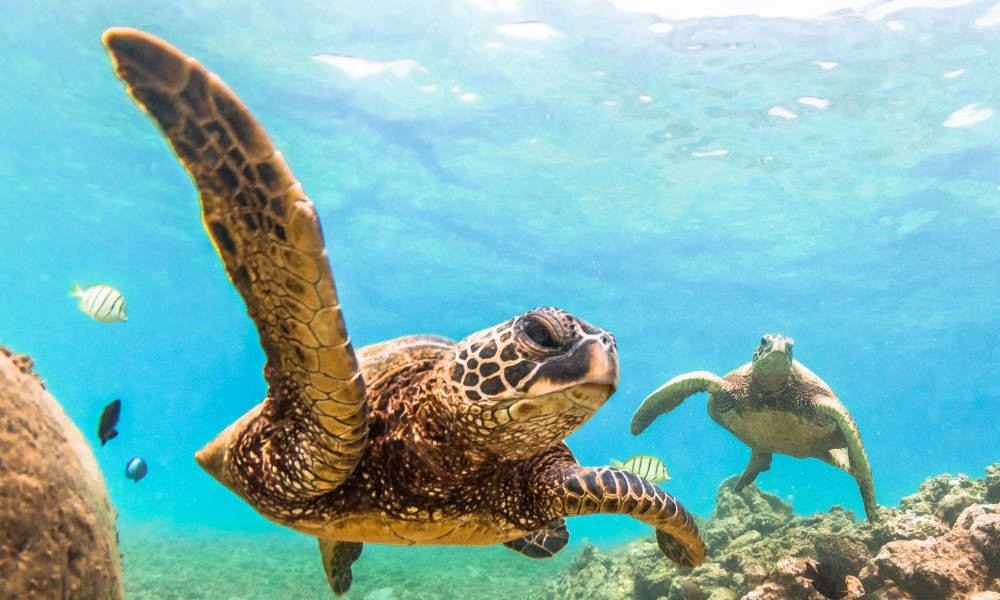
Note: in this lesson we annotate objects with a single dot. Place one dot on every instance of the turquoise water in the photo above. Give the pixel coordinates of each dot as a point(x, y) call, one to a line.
point(687, 187)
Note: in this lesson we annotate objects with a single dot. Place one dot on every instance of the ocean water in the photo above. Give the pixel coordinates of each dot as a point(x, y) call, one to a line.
point(688, 180)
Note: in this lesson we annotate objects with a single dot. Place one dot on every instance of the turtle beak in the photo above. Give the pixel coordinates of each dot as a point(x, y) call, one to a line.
point(593, 363)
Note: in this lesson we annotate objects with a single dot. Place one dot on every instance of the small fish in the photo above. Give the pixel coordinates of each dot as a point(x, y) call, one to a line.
point(136, 469)
point(827, 580)
point(109, 418)
point(647, 467)
point(691, 591)
point(100, 302)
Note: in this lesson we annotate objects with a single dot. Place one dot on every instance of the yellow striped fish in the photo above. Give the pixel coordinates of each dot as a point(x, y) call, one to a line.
point(101, 302)
point(649, 468)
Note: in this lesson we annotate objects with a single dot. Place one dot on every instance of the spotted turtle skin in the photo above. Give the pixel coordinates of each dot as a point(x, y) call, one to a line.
point(417, 440)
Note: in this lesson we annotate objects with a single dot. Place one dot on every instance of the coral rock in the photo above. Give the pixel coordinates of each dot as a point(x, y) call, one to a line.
point(945, 568)
point(993, 483)
point(57, 525)
point(907, 526)
point(945, 497)
point(786, 582)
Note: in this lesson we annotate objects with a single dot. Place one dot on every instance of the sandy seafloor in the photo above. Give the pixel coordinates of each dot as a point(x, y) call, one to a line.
point(164, 564)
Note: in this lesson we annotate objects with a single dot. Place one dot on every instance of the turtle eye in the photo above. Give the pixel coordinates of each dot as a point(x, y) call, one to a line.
point(539, 333)
point(763, 341)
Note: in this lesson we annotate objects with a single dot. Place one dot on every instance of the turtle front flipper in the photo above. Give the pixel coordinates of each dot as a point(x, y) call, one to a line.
point(859, 467)
point(544, 542)
point(610, 490)
point(759, 462)
point(310, 432)
point(670, 395)
point(337, 560)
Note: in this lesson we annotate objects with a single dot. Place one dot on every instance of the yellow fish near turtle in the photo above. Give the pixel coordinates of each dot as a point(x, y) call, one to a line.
point(648, 467)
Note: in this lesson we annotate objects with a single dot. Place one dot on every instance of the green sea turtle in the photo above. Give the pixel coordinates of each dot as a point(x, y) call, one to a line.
point(773, 404)
point(417, 440)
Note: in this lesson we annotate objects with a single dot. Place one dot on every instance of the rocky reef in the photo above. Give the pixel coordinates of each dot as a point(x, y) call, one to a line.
point(941, 543)
point(57, 525)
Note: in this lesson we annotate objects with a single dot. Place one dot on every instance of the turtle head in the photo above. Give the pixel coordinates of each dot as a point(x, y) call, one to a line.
point(529, 382)
point(772, 362)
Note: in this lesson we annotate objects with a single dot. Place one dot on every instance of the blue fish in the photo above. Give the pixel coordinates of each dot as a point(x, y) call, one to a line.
point(136, 469)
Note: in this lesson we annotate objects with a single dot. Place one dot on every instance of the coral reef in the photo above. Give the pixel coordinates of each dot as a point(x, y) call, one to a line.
point(941, 543)
point(57, 525)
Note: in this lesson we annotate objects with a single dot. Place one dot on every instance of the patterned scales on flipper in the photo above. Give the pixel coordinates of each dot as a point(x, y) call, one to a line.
point(581, 490)
point(544, 542)
point(267, 234)
point(337, 560)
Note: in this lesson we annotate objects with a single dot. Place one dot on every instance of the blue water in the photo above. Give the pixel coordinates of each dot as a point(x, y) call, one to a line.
point(684, 189)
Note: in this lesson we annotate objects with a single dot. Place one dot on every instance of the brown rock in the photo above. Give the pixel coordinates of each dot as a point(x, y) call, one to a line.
point(972, 513)
point(786, 582)
point(888, 592)
point(57, 525)
point(985, 533)
point(907, 526)
point(944, 568)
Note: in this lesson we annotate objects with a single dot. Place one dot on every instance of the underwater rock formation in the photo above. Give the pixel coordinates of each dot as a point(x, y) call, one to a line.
point(942, 543)
point(57, 525)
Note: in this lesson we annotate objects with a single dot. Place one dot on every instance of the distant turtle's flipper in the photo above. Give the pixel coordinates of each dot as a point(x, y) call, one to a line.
point(544, 542)
point(313, 426)
point(759, 462)
point(859, 468)
point(670, 395)
point(839, 458)
point(337, 560)
point(610, 490)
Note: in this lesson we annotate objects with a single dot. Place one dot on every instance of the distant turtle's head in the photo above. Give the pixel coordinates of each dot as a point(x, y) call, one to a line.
point(772, 362)
point(526, 384)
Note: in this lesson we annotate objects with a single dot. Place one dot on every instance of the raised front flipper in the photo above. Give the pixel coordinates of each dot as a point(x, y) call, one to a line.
point(312, 428)
point(670, 395)
point(610, 490)
point(859, 468)
point(544, 542)
point(337, 560)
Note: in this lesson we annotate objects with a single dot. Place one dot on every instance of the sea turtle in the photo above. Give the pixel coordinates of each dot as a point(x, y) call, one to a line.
point(773, 404)
point(417, 440)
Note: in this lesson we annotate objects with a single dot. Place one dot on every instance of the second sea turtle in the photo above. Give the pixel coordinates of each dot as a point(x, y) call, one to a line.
point(774, 404)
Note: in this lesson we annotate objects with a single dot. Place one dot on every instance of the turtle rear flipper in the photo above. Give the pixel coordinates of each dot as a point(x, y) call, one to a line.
point(337, 560)
point(859, 467)
point(759, 462)
point(544, 542)
point(670, 395)
point(309, 434)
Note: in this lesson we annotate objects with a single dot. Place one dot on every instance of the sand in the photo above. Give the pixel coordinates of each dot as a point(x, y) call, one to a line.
point(162, 564)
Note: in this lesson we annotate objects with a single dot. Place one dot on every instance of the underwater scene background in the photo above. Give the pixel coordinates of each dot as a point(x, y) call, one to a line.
point(688, 179)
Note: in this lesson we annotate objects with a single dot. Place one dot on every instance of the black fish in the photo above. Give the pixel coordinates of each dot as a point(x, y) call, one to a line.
point(109, 418)
point(827, 580)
